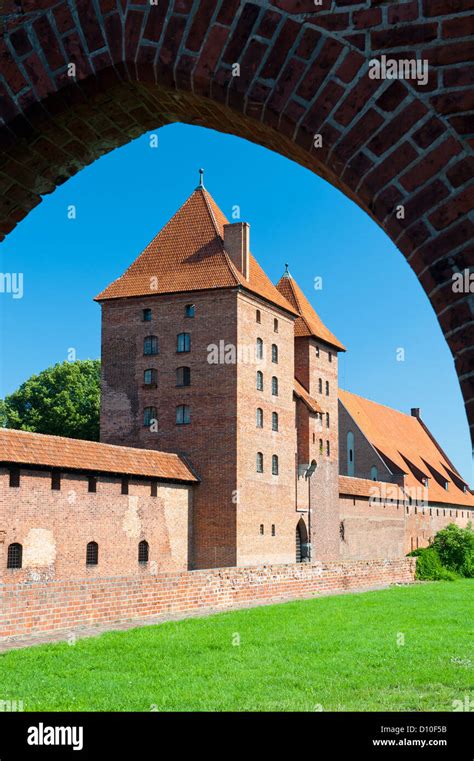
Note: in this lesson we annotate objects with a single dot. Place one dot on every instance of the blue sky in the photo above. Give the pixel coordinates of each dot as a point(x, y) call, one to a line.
point(370, 297)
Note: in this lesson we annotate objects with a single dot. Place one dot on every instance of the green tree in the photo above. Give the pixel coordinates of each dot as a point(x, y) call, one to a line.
point(63, 400)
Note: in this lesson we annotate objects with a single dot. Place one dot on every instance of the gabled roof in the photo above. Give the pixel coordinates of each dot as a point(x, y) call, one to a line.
point(25, 448)
point(364, 487)
point(188, 254)
point(308, 323)
point(300, 391)
point(406, 446)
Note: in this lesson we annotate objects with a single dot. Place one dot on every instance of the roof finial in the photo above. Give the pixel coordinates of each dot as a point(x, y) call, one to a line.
point(201, 179)
point(286, 272)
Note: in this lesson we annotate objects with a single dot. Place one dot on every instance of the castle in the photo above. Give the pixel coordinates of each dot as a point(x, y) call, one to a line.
point(224, 437)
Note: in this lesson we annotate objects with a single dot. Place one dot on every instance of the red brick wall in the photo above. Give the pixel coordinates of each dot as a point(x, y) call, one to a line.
point(61, 605)
point(54, 527)
point(384, 530)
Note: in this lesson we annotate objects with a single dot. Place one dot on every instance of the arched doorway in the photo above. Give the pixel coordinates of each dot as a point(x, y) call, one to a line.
point(301, 541)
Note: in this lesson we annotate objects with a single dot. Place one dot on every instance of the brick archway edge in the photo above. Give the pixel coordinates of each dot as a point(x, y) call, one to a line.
point(304, 72)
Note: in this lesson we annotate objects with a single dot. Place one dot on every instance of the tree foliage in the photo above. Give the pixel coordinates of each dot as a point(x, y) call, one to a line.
point(63, 400)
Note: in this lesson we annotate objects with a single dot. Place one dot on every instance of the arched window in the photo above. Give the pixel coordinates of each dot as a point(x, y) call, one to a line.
point(183, 414)
point(259, 462)
point(350, 454)
point(183, 376)
point(327, 388)
point(14, 555)
point(149, 416)
point(92, 553)
point(259, 417)
point(374, 474)
point(275, 353)
point(259, 380)
point(327, 419)
point(150, 345)
point(259, 348)
point(301, 541)
point(258, 316)
point(275, 325)
point(320, 384)
point(143, 551)
point(275, 386)
point(274, 465)
point(150, 377)
point(184, 343)
point(274, 421)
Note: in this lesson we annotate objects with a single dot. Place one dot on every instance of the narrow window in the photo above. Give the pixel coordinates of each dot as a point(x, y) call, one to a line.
point(149, 416)
point(14, 555)
point(374, 474)
point(150, 345)
point(259, 417)
point(342, 531)
point(259, 348)
point(259, 462)
point(184, 343)
point(330, 356)
point(314, 438)
point(328, 448)
point(320, 446)
point(183, 376)
point(275, 386)
point(258, 316)
point(92, 553)
point(262, 529)
point(317, 351)
point(183, 414)
point(273, 529)
point(154, 489)
point(275, 325)
point(327, 388)
point(350, 454)
point(189, 310)
point(274, 421)
point(320, 385)
point(14, 476)
point(92, 484)
point(143, 551)
point(327, 419)
point(55, 480)
point(150, 377)
point(125, 485)
point(274, 465)
point(146, 315)
point(275, 354)
point(259, 380)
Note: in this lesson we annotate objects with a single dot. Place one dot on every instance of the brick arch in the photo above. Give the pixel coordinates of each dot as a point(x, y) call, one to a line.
point(303, 72)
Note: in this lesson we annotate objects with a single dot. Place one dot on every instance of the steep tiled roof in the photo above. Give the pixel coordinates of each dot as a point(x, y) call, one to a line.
point(25, 448)
point(364, 487)
point(406, 446)
point(304, 395)
point(188, 255)
point(308, 322)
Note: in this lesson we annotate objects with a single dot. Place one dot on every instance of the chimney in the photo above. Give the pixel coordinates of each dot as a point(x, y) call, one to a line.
point(416, 412)
point(237, 245)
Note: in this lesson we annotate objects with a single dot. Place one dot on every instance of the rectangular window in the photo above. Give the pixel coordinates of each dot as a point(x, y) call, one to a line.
point(183, 376)
point(189, 310)
point(55, 480)
point(14, 476)
point(258, 316)
point(147, 315)
point(273, 529)
point(150, 377)
point(154, 489)
point(150, 345)
point(183, 415)
point(92, 485)
point(125, 485)
point(184, 342)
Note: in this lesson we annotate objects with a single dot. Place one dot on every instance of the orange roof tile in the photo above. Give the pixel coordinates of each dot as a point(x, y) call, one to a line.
point(188, 254)
point(25, 448)
point(364, 487)
point(406, 446)
point(304, 395)
point(308, 323)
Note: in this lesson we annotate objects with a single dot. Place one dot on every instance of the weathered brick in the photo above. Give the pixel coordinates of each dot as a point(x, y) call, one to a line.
point(430, 164)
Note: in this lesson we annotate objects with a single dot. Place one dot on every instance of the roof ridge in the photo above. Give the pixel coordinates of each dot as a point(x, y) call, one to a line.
point(379, 404)
point(229, 263)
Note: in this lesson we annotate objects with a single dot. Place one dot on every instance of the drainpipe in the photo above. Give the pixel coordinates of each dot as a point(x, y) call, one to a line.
point(308, 475)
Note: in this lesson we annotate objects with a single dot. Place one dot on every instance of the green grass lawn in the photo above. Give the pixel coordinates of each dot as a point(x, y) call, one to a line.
point(341, 653)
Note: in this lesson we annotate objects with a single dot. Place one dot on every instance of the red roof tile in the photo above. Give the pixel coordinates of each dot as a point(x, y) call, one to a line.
point(364, 487)
point(406, 446)
point(188, 255)
point(308, 323)
point(304, 395)
point(25, 448)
